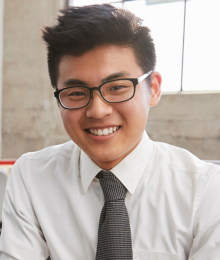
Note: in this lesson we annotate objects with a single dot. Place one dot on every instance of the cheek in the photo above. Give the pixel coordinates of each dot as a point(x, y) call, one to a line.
point(140, 104)
point(144, 98)
point(71, 119)
point(134, 113)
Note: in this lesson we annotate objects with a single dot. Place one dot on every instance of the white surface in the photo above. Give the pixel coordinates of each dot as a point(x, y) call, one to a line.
point(202, 41)
point(215, 162)
point(3, 180)
point(172, 201)
point(3, 171)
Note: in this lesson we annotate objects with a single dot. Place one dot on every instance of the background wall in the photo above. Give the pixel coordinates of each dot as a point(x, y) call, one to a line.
point(191, 121)
point(30, 117)
point(1, 62)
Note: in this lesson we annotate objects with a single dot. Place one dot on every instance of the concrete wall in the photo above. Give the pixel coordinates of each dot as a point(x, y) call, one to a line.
point(191, 121)
point(1, 65)
point(31, 119)
point(30, 115)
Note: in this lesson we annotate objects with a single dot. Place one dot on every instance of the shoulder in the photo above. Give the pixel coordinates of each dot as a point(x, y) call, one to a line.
point(46, 162)
point(53, 154)
point(63, 150)
point(186, 175)
point(181, 159)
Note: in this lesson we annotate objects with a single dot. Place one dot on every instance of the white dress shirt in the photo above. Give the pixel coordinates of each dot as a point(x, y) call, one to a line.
point(53, 203)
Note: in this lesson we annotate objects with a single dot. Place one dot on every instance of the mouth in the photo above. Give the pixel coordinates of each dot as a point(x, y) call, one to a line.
point(103, 131)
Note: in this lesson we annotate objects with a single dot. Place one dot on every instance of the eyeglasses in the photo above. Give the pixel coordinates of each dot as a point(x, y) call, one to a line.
point(114, 91)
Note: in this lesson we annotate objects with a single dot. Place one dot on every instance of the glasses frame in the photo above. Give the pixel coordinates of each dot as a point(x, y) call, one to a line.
point(133, 80)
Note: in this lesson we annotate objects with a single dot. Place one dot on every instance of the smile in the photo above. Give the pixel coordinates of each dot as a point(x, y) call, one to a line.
point(105, 131)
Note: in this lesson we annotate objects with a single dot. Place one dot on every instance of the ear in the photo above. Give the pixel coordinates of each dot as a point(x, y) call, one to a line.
point(156, 81)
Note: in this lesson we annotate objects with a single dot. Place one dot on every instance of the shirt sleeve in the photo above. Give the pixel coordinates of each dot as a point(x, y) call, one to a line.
point(21, 238)
point(206, 242)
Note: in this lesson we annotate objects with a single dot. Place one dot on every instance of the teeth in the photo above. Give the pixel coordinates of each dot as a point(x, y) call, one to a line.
point(100, 132)
point(105, 131)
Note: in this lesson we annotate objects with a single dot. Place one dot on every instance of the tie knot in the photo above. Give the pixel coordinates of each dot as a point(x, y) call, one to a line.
point(112, 188)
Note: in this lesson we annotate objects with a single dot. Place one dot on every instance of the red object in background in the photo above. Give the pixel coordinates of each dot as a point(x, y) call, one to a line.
point(6, 166)
point(7, 162)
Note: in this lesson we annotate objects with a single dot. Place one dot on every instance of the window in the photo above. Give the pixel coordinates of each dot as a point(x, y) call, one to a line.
point(166, 23)
point(187, 39)
point(202, 45)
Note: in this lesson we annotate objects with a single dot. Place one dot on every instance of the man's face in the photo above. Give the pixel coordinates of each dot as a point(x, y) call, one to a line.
point(128, 117)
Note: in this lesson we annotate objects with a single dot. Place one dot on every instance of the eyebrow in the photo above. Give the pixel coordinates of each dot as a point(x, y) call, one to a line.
point(115, 76)
point(71, 82)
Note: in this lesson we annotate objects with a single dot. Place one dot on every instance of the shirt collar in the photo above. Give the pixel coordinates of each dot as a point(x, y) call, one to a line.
point(128, 171)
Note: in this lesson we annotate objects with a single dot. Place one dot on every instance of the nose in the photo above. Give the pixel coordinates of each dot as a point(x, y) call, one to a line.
point(98, 107)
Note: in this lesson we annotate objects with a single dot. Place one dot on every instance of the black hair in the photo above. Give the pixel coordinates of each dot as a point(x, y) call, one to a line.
point(81, 29)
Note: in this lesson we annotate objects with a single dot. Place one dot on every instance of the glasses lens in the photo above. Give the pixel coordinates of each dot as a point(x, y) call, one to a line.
point(119, 90)
point(74, 97)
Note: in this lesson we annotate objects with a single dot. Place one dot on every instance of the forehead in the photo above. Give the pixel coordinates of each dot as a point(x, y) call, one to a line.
point(99, 63)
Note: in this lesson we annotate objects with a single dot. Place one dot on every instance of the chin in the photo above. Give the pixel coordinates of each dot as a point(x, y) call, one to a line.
point(103, 158)
point(108, 159)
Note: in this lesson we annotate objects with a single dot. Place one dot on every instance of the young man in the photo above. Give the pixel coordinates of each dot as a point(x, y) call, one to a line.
point(111, 192)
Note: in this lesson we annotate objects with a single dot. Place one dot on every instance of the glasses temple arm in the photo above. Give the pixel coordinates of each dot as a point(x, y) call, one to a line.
point(141, 78)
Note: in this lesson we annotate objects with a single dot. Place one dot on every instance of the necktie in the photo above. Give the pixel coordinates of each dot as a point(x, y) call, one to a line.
point(114, 235)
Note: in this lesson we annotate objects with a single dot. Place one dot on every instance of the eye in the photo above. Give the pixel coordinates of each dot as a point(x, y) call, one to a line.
point(117, 87)
point(77, 93)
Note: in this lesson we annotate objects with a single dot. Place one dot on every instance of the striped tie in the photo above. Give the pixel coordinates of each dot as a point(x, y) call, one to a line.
point(114, 235)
